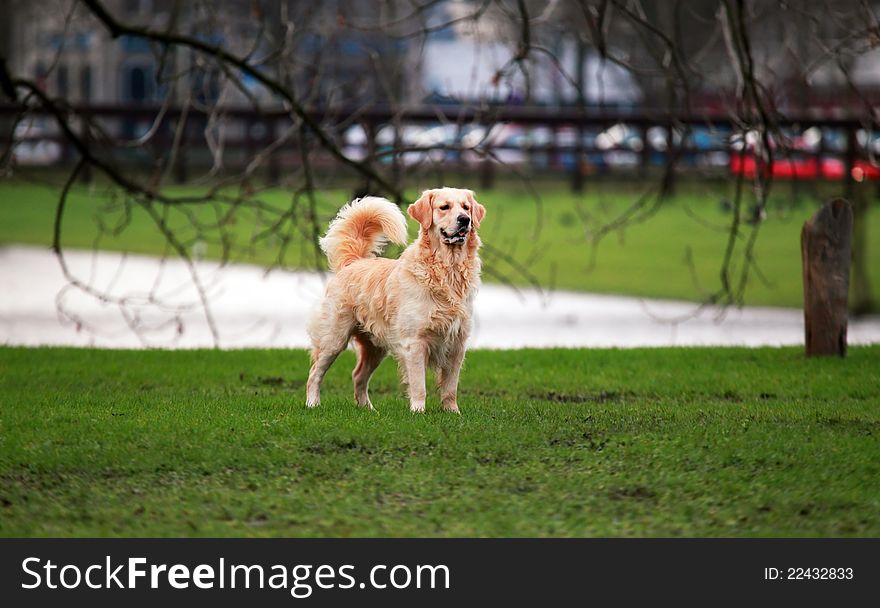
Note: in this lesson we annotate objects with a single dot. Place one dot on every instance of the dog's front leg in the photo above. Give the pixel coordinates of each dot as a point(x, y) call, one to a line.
point(414, 360)
point(449, 378)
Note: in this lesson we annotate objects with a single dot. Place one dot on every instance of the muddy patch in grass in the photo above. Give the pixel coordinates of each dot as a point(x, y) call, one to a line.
point(848, 425)
point(586, 439)
point(336, 446)
point(632, 493)
point(271, 382)
point(599, 397)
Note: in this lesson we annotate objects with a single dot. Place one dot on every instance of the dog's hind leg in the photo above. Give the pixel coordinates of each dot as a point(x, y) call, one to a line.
point(331, 342)
point(369, 356)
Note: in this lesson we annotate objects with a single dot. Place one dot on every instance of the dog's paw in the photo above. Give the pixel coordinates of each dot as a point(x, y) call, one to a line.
point(313, 403)
point(417, 408)
point(449, 405)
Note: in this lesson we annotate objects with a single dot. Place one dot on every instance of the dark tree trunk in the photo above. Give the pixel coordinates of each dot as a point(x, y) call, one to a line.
point(826, 249)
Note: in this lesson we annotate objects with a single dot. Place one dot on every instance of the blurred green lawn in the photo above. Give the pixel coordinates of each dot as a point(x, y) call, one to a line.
point(549, 238)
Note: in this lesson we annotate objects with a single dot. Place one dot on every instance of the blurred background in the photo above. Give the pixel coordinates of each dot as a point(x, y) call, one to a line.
point(168, 166)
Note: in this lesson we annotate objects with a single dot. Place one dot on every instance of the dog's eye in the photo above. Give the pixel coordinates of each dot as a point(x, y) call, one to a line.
point(444, 207)
point(465, 207)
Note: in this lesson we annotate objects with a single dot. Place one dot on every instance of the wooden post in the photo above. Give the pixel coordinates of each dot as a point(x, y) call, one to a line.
point(826, 245)
point(86, 175)
point(667, 187)
point(274, 168)
point(487, 174)
point(181, 170)
point(577, 169)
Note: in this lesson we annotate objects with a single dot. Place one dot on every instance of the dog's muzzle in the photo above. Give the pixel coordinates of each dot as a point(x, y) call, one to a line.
point(455, 238)
point(462, 228)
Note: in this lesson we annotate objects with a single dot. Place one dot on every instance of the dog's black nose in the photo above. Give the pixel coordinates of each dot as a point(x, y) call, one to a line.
point(464, 220)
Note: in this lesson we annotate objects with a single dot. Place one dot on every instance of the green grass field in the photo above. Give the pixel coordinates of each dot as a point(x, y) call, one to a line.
point(644, 260)
point(657, 442)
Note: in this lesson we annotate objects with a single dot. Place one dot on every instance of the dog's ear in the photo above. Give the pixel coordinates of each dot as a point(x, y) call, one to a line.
point(422, 210)
point(478, 212)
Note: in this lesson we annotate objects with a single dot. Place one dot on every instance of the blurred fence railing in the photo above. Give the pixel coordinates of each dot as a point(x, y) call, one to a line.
point(563, 141)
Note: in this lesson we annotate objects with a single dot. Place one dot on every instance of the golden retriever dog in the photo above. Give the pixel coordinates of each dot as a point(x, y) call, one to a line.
point(417, 307)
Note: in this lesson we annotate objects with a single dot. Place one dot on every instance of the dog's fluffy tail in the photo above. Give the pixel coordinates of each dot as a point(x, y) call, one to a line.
point(361, 229)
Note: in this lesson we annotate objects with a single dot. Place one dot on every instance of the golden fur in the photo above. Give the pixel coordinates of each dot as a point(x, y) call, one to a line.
point(418, 307)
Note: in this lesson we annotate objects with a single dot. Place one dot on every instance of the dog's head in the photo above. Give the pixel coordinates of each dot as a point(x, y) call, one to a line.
point(450, 213)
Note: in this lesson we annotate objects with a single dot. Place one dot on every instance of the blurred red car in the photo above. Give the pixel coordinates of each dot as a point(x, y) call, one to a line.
point(808, 167)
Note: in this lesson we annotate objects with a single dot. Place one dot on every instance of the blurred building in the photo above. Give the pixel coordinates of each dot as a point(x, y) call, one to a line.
point(348, 53)
point(464, 62)
point(70, 56)
point(61, 45)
